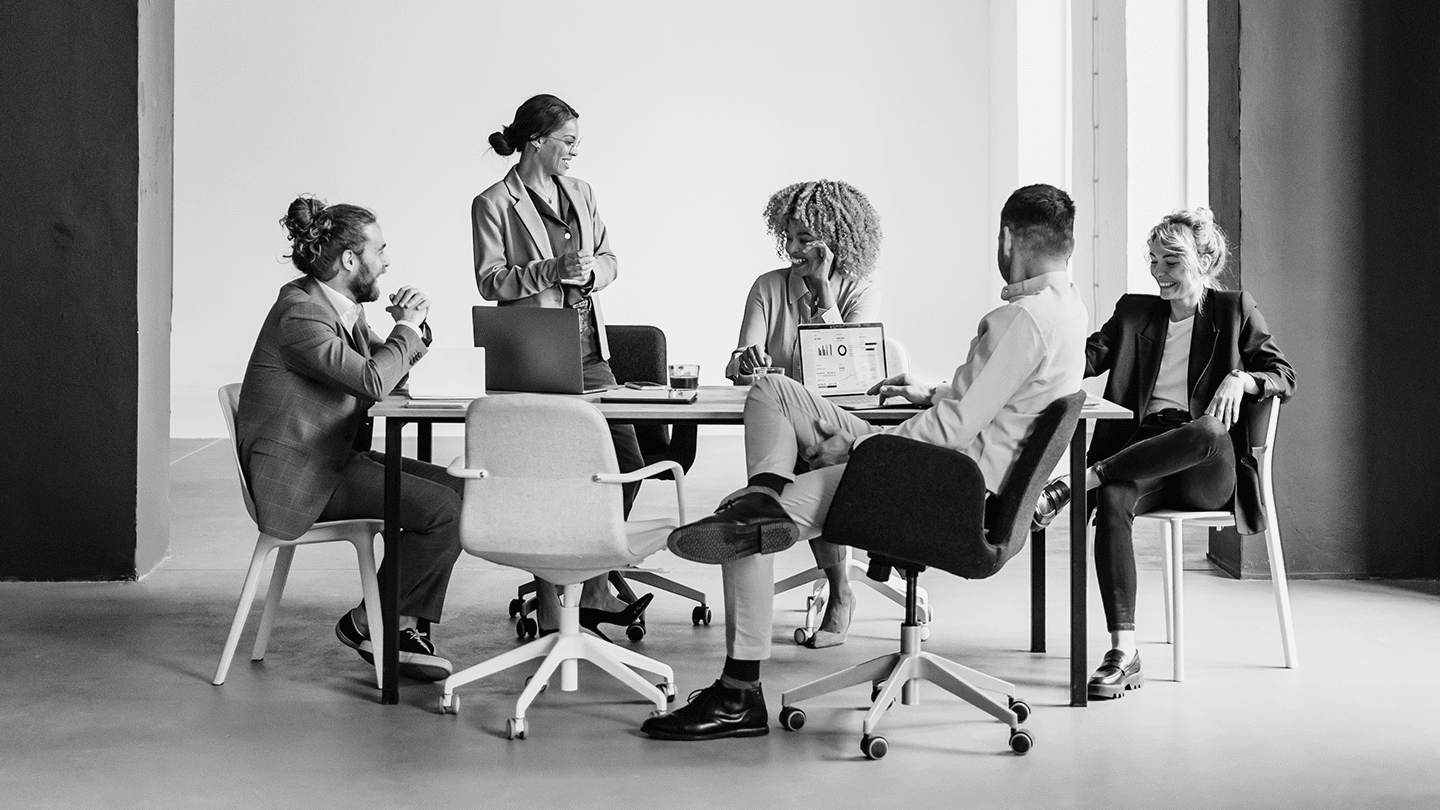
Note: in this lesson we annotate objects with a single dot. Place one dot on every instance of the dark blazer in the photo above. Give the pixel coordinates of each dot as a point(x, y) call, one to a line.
point(511, 243)
point(307, 388)
point(1229, 333)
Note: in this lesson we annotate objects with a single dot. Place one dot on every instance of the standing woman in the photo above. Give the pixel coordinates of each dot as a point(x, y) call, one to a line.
point(539, 242)
point(1184, 362)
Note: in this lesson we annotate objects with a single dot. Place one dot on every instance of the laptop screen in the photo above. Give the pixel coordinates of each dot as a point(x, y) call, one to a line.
point(842, 358)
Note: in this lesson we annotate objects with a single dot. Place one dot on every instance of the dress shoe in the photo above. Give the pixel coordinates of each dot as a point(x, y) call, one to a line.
point(592, 618)
point(1115, 677)
point(417, 656)
point(833, 638)
point(714, 713)
point(1053, 498)
point(750, 522)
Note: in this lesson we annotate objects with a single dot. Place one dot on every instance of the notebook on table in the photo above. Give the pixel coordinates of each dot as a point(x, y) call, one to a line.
point(531, 349)
point(447, 376)
point(842, 361)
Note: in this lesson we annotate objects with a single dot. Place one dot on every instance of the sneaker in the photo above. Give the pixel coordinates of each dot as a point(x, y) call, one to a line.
point(1054, 497)
point(417, 657)
point(351, 635)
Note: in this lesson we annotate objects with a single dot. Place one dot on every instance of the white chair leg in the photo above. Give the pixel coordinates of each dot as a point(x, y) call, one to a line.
point(247, 597)
point(278, 575)
point(1167, 576)
point(805, 577)
point(1282, 593)
point(1177, 588)
point(370, 590)
point(593, 651)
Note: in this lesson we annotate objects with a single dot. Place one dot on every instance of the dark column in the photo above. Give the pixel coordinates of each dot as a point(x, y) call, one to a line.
point(85, 206)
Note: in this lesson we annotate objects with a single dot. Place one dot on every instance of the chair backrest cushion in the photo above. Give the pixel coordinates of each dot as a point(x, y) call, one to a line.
point(538, 500)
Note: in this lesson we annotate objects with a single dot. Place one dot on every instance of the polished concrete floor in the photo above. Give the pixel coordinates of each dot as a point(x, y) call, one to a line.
point(107, 700)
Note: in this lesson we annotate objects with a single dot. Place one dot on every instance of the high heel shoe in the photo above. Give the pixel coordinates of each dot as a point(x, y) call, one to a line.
point(592, 618)
point(833, 638)
point(1054, 497)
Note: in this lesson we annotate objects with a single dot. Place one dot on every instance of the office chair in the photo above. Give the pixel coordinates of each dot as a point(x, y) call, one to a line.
point(1261, 425)
point(359, 533)
point(542, 494)
point(897, 361)
point(637, 354)
point(914, 505)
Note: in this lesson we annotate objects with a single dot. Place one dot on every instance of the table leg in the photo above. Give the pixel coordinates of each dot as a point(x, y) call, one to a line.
point(422, 440)
point(390, 583)
point(1037, 591)
point(1079, 674)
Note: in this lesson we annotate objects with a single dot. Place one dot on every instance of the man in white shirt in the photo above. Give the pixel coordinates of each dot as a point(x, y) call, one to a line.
point(1027, 353)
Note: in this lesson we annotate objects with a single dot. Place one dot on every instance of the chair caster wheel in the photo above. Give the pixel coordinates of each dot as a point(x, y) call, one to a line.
point(450, 704)
point(635, 632)
point(792, 718)
point(874, 747)
point(802, 635)
point(515, 728)
point(526, 628)
point(1021, 741)
point(668, 690)
point(516, 606)
point(1021, 709)
point(543, 686)
point(700, 615)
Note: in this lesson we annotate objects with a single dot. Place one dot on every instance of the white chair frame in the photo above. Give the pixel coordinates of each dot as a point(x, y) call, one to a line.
point(1172, 543)
point(359, 533)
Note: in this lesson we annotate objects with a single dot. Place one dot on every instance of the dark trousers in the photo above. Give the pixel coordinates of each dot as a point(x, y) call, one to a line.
point(1169, 464)
point(429, 524)
point(627, 448)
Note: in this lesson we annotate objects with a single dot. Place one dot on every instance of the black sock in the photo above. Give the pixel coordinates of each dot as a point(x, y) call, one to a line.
point(747, 672)
point(770, 481)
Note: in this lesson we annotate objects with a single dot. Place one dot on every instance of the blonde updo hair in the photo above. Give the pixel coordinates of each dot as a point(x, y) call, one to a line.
point(1194, 233)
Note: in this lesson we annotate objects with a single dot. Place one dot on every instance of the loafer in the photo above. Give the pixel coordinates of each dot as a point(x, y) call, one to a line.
point(752, 522)
point(1054, 497)
point(417, 657)
point(1114, 677)
point(714, 713)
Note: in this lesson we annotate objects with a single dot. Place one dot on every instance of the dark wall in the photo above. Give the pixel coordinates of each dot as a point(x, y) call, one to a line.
point(69, 173)
point(1401, 351)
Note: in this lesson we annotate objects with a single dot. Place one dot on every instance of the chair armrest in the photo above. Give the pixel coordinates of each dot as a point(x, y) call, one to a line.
point(458, 469)
point(650, 471)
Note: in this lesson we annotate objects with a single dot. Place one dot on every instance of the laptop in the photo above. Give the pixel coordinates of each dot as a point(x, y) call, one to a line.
point(841, 361)
point(447, 375)
point(531, 349)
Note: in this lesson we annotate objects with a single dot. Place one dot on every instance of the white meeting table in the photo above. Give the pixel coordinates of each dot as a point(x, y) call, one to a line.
point(716, 405)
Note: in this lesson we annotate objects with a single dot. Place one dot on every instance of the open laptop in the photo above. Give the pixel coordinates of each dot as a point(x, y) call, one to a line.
point(445, 375)
point(841, 361)
point(531, 349)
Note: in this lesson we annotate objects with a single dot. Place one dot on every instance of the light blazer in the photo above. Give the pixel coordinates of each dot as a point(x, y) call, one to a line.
point(1229, 333)
point(303, 402)
point(512, 246)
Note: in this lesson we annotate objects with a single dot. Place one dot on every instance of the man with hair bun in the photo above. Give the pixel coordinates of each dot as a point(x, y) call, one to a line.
point(302, 428)
point(1027, 354)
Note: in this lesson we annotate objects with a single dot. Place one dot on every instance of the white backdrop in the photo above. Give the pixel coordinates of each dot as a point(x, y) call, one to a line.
point(692, 114)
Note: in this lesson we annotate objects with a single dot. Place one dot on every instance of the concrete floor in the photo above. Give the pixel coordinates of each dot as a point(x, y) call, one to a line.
point(108, 702)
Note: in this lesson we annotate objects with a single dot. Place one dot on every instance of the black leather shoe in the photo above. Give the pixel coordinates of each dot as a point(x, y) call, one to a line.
point(714, 713)
point(751, 523)
point(1053, 498)
point(1112, 680)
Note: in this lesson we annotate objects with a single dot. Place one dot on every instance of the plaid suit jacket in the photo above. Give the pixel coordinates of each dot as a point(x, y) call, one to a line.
point(307, 388)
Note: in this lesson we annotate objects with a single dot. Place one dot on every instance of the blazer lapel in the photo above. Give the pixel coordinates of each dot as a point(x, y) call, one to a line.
point(582, 213)
point(1149, 347)
point(529, 216)
point(1202, 351)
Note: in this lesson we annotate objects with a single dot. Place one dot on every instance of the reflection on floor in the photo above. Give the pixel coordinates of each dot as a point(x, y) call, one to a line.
point(107, 700)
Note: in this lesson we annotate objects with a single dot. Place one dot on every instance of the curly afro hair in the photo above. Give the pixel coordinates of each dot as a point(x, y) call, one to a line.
point(837, 213)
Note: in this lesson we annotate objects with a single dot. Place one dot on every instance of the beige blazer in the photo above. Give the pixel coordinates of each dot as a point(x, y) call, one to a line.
point(512, 249)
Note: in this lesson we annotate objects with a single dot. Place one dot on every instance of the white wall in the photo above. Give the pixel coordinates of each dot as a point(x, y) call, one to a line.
point(692, 115)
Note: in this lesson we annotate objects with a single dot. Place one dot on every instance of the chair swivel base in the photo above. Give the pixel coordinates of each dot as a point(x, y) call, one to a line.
point(897, 675)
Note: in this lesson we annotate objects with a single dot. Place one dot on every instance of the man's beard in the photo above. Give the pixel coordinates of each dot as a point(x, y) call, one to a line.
point(365, 290)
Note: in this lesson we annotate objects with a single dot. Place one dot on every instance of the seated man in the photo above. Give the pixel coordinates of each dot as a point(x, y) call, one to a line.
point(301, 423)
point(1028, 353)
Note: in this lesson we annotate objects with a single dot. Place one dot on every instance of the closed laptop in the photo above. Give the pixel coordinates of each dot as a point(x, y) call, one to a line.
point(531, 349)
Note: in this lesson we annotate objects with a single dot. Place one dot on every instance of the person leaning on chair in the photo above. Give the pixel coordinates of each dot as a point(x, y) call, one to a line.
point(315, 370)
point(1183, 362)
point(1027, 354)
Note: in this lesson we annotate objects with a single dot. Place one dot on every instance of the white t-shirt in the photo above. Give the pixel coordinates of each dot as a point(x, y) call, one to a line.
point(1172, 384)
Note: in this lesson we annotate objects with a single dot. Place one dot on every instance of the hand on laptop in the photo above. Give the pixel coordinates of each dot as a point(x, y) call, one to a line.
point(905, 386)
point(576, 269)
point(409, 304)
point(834, 447)
point(753, 357)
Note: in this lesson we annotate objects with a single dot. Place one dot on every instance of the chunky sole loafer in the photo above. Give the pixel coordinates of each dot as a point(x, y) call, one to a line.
point(1112, 680)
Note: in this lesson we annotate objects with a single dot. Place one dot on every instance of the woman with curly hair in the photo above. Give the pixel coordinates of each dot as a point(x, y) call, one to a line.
point(831, 235)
